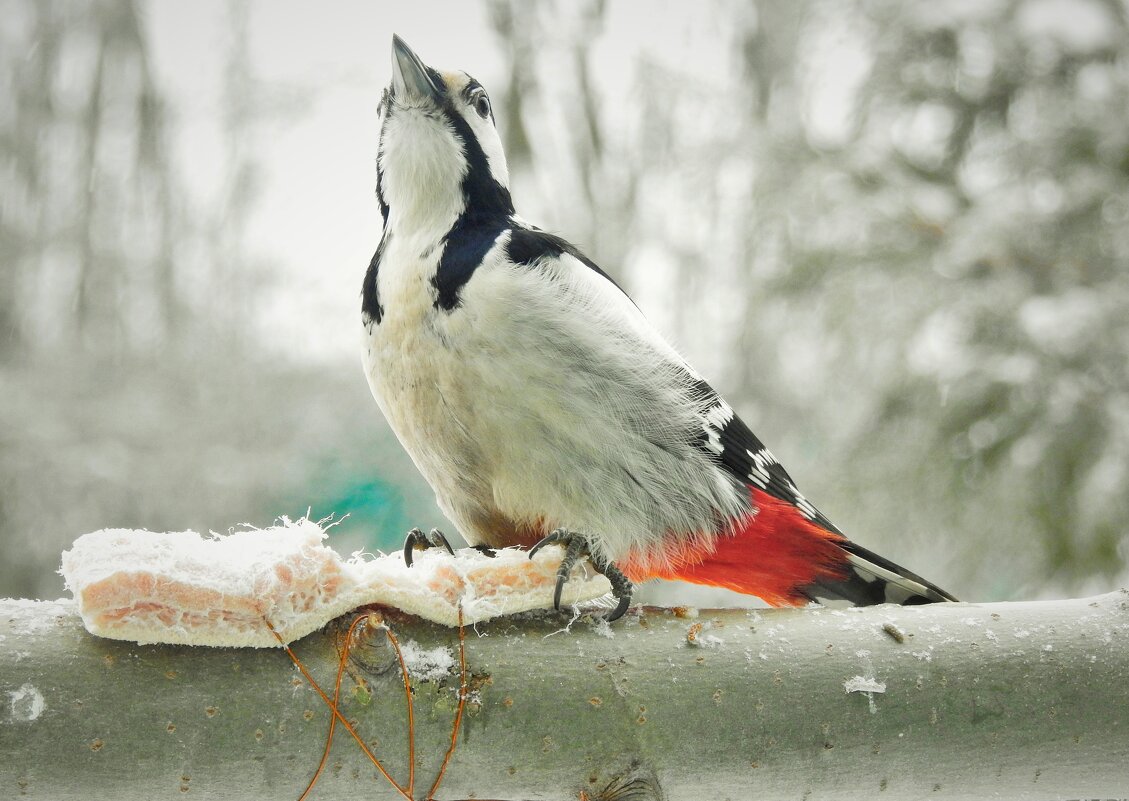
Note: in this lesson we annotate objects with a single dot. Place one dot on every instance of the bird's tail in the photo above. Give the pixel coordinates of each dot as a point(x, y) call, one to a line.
point(787, 559)
point(872, 579)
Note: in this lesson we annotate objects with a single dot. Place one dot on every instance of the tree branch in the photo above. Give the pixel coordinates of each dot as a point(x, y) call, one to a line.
point(1020, 700)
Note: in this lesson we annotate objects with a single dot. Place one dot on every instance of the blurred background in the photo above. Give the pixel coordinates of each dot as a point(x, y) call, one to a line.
point(894, 235)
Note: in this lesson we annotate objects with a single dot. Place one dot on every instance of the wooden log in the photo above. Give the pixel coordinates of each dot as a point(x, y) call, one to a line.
point(1015, 700)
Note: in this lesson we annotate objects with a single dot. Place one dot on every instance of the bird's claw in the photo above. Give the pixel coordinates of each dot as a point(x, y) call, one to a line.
point(557, 535)
point(418, 541)
point(575, 547)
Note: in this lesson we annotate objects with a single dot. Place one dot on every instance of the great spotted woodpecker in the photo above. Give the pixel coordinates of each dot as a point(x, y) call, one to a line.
point(542, 406)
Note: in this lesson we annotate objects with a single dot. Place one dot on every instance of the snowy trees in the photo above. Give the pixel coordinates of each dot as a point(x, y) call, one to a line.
point(895, 235)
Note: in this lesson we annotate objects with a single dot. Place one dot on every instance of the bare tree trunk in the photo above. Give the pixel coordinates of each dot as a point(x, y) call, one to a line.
point(1010, 700)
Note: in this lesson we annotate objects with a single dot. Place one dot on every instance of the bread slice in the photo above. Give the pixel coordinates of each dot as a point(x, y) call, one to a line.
point(184, 588)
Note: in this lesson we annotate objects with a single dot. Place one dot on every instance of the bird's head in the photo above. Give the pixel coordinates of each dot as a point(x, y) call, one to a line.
point(440, 155)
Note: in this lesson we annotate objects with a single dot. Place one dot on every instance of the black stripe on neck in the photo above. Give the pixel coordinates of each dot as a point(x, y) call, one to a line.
point(482, 194)
point(471, 238)
point(487, 207)
point(371, 310)
point(465, 246)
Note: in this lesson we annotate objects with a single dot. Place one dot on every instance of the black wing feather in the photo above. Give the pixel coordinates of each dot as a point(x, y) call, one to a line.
point(726, 437)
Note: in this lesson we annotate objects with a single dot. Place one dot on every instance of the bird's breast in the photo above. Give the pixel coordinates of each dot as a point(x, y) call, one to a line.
point(417, 375)
point(407, 361)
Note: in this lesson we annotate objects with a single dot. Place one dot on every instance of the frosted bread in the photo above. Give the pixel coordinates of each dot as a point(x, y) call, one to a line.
point(184, 588)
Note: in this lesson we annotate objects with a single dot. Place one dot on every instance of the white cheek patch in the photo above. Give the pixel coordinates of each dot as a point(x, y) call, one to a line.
point(492, 147)
point(483, 129)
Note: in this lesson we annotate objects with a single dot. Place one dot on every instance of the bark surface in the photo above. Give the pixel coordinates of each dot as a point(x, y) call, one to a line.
point(1010, 700)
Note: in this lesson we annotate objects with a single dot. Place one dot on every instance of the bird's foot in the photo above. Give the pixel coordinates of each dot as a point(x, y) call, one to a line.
point(418, 541)
point(575, 547)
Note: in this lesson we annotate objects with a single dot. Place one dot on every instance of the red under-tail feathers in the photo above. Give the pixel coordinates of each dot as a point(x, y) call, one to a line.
point(773, 553)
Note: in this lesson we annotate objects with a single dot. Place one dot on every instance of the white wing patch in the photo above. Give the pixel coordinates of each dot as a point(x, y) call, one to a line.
point(758, 470)
point(804, 505)
point(716, 418)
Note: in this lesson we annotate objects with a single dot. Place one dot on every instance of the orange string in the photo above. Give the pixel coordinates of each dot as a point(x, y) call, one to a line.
point(458, 711)
point(336, 715)
point(411, 716)
point(333, 708)
point(344, 656)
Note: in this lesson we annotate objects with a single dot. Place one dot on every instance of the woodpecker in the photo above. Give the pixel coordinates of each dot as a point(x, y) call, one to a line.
point(542, 406)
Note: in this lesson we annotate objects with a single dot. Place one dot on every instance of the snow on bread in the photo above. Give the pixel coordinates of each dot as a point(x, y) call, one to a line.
point(189, 589)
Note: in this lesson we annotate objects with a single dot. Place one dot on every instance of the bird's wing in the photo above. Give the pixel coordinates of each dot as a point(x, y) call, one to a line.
point(530, 247)
point(715, 431)
point(744, 456)
point(722, 434)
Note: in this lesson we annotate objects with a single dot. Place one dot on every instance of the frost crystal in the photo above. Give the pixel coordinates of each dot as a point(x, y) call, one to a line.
point(27, 703)
point(427, 665)
point(864, 684)
point(868, 685)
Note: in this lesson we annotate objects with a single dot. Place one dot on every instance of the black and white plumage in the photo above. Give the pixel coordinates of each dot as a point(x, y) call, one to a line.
point(533, 395)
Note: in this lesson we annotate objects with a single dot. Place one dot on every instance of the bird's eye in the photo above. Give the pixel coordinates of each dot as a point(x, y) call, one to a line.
point(482, 105)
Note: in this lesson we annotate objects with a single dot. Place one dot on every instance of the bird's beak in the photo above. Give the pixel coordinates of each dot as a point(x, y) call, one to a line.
point(410, 81)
